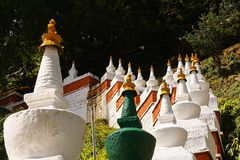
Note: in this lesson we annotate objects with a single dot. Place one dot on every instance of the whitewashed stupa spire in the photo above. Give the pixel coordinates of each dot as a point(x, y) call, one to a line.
point(180, 65)
point(73, 71)
point(120, 70)
point(129, 71)
point(187, 66)
point(140, 82)
point(193, 79)
point(166, 113)
point(169, 68)
point(111, 68)
point(182, 91)
point(40, 131)
point(152, 82)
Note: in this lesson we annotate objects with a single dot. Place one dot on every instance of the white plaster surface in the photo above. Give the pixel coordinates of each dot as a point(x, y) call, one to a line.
point(59, 157)
point(169, 135)
point(49, 75)
point(200, 97)
point(43, 133)
point(173, 153)
point(199, 138)
point(185, 110)
point(78, 102)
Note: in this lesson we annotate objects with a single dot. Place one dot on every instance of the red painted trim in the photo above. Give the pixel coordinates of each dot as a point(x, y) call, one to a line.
point(173, 96)
point(99, 89)
point(86, 81)
point(156, 110)
point(217, 113)
point(203, 156)
point(113, 91)
point(152, 97)
point(10, 99)
point(218, 145)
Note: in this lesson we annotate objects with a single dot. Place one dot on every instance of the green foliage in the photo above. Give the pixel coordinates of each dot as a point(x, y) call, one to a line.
point(230, 111)
point(217, 30)
point(226, 86)
point(102, 131)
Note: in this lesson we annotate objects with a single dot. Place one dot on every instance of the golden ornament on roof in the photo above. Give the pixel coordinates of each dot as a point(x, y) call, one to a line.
point(181, 76)
point(164, 89)
point(186, 58)
point(196, 59)
point(129, 64)
point(139, 69)
point(193, 67)
point(151, 69)
point(179, 57)
point(192, 57)
point(128, 85)
point(51, 38)
point(168, 63)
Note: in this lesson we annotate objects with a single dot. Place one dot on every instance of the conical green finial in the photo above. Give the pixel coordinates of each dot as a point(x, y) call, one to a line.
point(129, 116)
point(130, 142)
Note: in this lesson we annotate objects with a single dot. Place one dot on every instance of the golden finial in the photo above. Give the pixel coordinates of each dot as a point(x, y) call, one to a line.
point(196, 59)
point(193, 67)
point(129, 64)
point(128, 85)
point(119, 61)
point(181, 76)
point(164, 89)
point(186, 58)
point(51, 38)
point(168, 63)
point(192, 57)
point(110, 58)
point(139, 69)
point(179, 57)
point(151, 69)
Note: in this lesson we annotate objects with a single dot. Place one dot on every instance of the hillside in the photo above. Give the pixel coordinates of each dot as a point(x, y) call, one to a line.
point(225, 83)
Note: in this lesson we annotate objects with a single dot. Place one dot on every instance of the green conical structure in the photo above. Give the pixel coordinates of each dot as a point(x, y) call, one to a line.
point(130, 142)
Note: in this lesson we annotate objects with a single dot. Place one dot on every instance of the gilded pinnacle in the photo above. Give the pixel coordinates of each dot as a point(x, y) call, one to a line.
point(181, 76)
point(186, 58)
point(164, 89)
point(179, 57)
point(128, 85)
point(193, 67)
point(196, 59)
point(51, 38)
point(129, 64)
point(168, 63)
point(139, 69)
point(151, 69)
point(192, 57)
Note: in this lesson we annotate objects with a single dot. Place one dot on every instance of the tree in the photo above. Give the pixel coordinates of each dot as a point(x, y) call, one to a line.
point(216, 31)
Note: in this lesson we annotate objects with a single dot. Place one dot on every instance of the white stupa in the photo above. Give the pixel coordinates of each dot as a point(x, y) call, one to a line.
point(129, 71)
point(169, 74)
point(170, 137)
point(46, 130)
point(72, 74)
point(152, 82)
point(140, 82)
point(180, 65)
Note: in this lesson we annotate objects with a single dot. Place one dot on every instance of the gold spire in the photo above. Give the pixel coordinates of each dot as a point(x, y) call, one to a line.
point(179, 57)
point(168, 63)
point(193, 67)
point(186, 58)
point(196, 59)
point(119, 61)
point(192, 57)
point(164, 89)
point(51, 38)
point(139, 69)
point(129, 64)
point(181, 76)
point(110, 58)
point(151, 69)
point(128, 85)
